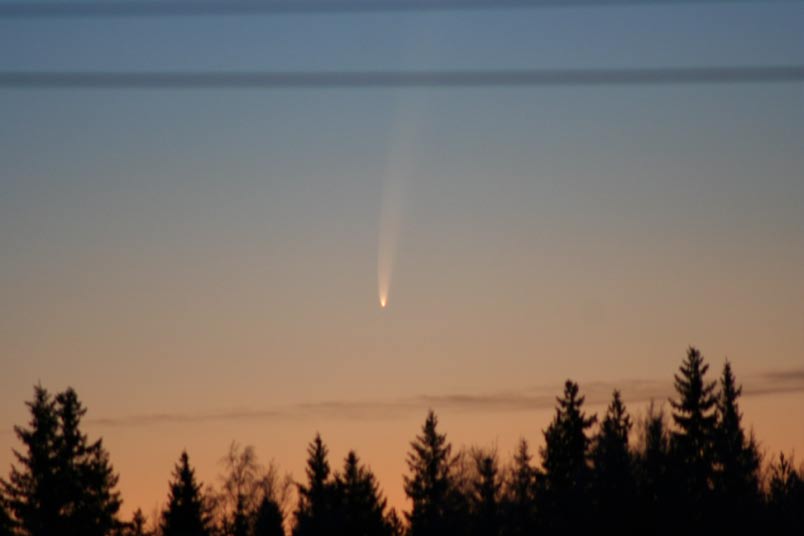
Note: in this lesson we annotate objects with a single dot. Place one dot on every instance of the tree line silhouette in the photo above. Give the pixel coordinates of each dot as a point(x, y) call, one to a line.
point(697, 473)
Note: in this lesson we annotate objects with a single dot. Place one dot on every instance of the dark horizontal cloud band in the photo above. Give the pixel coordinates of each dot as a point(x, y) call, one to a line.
point(541, 398)
point(395, 79)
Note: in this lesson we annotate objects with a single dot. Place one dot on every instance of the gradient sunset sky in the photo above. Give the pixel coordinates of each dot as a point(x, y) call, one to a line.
point(202, 266)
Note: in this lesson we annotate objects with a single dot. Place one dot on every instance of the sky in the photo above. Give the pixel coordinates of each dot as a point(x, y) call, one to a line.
point(202, 266)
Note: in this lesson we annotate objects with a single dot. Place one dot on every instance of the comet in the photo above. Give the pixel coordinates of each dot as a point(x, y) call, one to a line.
point(387, 240)
point(399, 168)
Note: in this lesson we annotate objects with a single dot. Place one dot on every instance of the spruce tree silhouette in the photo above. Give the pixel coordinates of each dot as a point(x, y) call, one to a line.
point(613, 481)
point(565, 494)
point(137, 526)
point(314, 512)
point(186, 513)
point(430, 486)
point(87, 477)
point(653, 475)
point(519, 503)
point(65, 484)
point(269, 520)
point(360, 506)
point(738, 461)
point(32, 490)
point(785, 511)
point(485, 496)
point(693, 440)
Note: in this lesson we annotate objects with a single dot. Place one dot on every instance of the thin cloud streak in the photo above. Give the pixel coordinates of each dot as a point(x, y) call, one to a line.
point(537, 398)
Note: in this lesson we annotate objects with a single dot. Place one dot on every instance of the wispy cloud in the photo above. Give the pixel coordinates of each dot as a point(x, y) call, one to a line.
point(634, 391)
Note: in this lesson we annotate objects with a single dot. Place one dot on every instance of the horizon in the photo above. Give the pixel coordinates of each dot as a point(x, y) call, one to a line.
point(534, 405)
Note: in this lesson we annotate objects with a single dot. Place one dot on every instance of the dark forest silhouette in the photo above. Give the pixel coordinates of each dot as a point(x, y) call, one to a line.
point(697, 472)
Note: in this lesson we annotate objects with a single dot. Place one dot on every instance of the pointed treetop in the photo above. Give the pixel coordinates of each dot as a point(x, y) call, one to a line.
point(695, 393)
point(317, 464)
point(186, 512)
